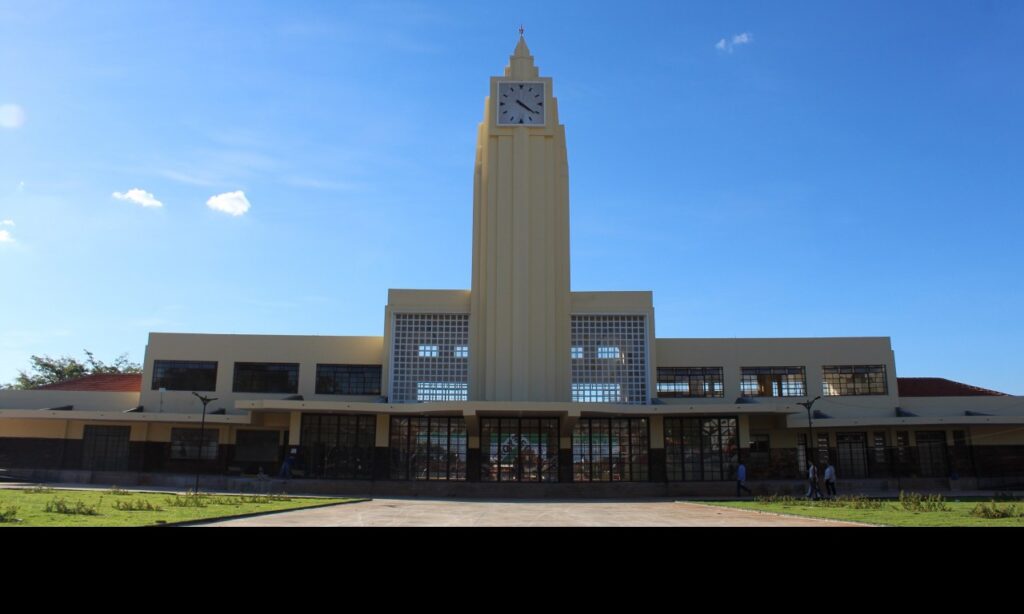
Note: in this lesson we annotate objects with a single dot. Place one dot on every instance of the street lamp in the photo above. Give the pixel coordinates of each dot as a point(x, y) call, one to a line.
point(810, 429)
point(202, 432)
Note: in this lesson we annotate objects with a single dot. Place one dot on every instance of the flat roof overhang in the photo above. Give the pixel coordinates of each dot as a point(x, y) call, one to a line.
point(799, 421)
point(509, 408)
point(120, 416)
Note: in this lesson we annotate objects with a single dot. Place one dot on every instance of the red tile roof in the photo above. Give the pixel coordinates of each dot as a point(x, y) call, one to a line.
point(103, 382)
point(941, 387)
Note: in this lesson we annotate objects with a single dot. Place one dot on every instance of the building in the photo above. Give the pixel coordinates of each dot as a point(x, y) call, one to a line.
point(518, 380)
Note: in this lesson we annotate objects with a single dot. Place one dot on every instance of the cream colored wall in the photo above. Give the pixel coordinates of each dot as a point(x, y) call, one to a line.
point(950, 406)
point(308, 351)
point(82, 401)
point(1010, 435)
point(519, 324)
point(812, 354)
point(26, 427)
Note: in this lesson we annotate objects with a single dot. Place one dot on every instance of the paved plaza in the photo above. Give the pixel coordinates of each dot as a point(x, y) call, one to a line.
point(450, 513)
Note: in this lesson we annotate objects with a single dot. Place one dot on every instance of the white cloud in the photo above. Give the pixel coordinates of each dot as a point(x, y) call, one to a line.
point(232, 203)
point(7, 223)
point(5, 236)
point(11, 116)
point(139, 197)
point(737, 39)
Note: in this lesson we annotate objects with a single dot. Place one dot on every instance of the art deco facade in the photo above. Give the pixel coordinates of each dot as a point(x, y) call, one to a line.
point(518, 379)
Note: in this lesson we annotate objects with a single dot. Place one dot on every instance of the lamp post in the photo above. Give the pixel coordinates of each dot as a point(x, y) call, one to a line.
point(202, 432)
point(810, 429)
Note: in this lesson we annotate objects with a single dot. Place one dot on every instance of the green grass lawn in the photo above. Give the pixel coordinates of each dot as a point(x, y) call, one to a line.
point(892, 512)
point(99, 508)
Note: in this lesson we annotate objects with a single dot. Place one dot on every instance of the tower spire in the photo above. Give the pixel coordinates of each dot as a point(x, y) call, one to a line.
point(520, 64)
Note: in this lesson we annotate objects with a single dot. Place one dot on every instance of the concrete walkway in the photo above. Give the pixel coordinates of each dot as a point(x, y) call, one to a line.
point(425, 513)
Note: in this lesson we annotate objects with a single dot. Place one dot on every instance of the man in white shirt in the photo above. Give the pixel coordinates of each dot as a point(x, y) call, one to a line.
point(830, 480)
point(813, 492)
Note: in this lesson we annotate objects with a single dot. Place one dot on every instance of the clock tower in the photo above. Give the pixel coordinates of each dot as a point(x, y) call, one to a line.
point(520, 302)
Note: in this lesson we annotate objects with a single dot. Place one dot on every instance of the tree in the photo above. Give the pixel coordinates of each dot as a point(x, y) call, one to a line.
point(46, 370)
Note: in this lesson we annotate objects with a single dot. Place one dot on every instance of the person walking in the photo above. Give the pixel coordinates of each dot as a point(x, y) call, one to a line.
point(830, 480)
point(813, 492)
point(741, 479)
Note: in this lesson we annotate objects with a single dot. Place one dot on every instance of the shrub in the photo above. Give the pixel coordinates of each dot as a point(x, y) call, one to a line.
point(992, 510)
point(116, 491)
point(139, 505)
point(9, 515)
point(916, 502)
point(61, 506)
point(39, 489)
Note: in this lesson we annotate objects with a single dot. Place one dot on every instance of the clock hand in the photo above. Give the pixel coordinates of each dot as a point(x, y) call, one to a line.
point(520, 103)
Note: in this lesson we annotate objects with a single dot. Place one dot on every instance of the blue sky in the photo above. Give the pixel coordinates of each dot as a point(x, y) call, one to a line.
point(768, 170)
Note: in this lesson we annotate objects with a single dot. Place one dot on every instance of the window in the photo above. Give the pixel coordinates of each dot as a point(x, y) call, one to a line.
point(690, 382)
point(760, 447)
point(105, 448)
point(257, 446)
point(339, 446)
point(610, 450)
point(701, 449)
point(880, 447)
point(853, 380)
point(609, 355)
point(428, 357)
point(185, 444)
point(773, 382)
point(597, 393)
point(279, 377)
point(519, 449)
point(442, 391)
point(428, 448)
point(195, 375)
point(348, 379)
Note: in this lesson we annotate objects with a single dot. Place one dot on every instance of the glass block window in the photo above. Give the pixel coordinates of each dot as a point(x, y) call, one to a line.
point(610, 450)
point(425, 357)
point(773, 382)
point(675, 382)
point(279, 377)
point(441, 391)
point(348, 379)
point(611, 366)
point(596, 393)
point(428, 448)
point(199, 375)
point(849, 380)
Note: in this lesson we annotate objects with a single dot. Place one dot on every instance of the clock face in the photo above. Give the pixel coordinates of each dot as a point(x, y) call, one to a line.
point(520, 103)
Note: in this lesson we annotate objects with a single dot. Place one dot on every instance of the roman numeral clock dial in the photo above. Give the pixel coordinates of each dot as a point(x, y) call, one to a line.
point(520, 103)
